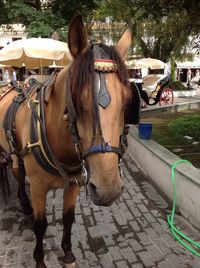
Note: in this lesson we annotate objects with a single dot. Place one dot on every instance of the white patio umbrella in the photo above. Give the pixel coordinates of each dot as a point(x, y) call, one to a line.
point(35, 52)
point(149, 63)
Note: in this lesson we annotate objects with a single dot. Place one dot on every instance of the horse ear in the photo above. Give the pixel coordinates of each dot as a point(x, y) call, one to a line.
point(77, 36)
point(124, 43)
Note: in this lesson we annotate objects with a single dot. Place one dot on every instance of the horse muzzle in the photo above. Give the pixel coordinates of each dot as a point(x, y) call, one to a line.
point(103, 197)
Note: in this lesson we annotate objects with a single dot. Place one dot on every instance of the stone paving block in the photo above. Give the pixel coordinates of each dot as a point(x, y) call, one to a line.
point(89, 221)
point(123, 244)
point(169, 240)
point(80, 230)
point(115, 253)
point(106, 261)
point(26, 260)
point(135, 212)
point(144, 239)
point(163, 223)
point(110, 228)
point(135, 245)
point(108, 238)
point(137, 265)
point(162, 246)
point(86, 211)
point(121, 264)
point(2, 252)
point(91, 258)
point(26, 247)
point(120, 219)
point(134, 225)
point(128, 215)
point(176, 260)
point(158, 228)
point(138, 191)
point(156, 213)
point(149, 217)
point(99, 217)
point(2, 261)
point(155, 252)
point(194, 263)
point(142, 208)
point(12, 255)
point(128, 254)
point(143, 222)
point(131, 190)
point(85, 243)
point(126, 195)
point(151, 234)
point(146, 259)
point(165, 264)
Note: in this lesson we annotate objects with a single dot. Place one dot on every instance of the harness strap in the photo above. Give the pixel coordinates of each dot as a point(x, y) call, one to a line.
point(72, 116)
point(100, 148)
point(42, 149)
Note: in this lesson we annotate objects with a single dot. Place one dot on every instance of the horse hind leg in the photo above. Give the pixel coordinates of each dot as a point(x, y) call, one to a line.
point(19, 174)
point(4, 183)
point(70, 196)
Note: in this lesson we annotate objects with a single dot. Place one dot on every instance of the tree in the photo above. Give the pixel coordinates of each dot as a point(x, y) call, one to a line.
point(42, 18)
point(161, 28)
point(38, 19)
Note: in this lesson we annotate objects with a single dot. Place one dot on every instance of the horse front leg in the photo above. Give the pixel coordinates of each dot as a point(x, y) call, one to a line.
point(70, 196)
point(19, 174)
point(38, 196)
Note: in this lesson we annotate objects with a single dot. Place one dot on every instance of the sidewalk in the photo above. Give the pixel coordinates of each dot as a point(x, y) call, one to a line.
point(131, 233)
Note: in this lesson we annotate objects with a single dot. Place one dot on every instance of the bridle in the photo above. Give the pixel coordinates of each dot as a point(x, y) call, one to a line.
point(101, 97)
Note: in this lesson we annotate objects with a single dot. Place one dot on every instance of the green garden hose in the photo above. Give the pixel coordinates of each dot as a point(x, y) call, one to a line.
point(184, 240)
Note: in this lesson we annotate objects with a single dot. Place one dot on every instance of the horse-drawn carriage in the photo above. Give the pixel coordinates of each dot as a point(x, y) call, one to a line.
point(154, 87)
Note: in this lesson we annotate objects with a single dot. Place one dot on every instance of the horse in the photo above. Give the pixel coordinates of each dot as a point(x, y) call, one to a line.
point(67, 132)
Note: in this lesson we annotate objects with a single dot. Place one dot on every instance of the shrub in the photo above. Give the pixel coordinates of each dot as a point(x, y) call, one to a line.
point(177, 86)
point(187, 125)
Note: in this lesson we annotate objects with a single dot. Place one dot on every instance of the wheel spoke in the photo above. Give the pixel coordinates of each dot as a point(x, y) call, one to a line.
point(166, 96)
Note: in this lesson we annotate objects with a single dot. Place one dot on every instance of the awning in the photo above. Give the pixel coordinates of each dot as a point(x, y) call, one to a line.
point(189, 64)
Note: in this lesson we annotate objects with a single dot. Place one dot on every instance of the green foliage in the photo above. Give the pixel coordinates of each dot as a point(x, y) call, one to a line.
point(44, 24)
point(188, 125)
point(177, 86)
point(67, 9)
point(43, 18)
point(160, 27)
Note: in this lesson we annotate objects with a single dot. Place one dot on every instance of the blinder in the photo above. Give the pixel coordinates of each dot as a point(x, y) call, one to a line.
point(134, 106)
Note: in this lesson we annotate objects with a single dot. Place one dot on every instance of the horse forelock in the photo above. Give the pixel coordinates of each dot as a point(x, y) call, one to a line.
point(82, 73)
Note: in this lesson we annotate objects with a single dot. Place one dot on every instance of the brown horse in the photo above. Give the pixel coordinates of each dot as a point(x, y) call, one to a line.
point(75, 122)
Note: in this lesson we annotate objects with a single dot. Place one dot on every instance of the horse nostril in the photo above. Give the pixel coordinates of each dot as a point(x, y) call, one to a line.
point(93, 188)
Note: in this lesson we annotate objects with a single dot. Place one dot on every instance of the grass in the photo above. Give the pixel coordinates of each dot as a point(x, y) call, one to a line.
point(187, 125)
point(169, 130)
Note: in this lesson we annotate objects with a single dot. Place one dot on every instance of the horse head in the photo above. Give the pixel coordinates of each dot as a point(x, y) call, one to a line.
point(99, 91)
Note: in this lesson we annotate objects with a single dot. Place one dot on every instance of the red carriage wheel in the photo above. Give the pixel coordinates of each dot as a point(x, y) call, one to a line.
point(166, 96)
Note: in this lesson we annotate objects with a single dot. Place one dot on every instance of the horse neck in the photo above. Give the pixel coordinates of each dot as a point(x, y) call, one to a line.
point(57, 103)
point(57, 131)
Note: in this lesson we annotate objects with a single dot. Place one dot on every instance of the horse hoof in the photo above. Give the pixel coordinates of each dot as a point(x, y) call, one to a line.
point(71, 265)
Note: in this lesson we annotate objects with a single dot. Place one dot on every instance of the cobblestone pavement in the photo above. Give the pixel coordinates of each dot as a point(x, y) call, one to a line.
point(131, 233)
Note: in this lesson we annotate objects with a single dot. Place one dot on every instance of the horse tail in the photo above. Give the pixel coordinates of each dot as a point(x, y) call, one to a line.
point(4, 183)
